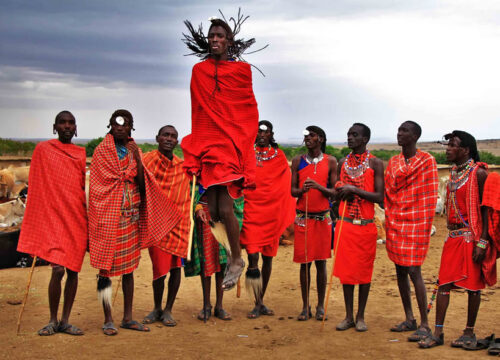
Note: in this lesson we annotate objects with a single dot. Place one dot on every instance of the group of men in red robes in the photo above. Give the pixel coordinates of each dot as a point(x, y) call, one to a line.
point(138, 202)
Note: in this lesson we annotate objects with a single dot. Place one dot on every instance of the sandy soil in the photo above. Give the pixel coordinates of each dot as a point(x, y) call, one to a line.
point(280, 336)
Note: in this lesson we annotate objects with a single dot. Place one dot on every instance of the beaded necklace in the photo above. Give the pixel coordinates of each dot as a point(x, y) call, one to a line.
point(314, 161)
point(460, 174)
point(355, 165)
point(261, 156)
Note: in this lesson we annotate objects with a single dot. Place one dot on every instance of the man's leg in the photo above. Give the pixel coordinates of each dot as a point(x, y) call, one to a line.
point(69, 298)
point(321, 279)
point(364, 291)
point(405, 294)
point(158, 288)
point(267, 268)
point(442, 302)
point(472, 310)
point(348, 322)
point(54, 299)
point(219, 291)
point(206, 311)
point(227, 216)
point(128, 298)
point(305, 283)
point(174, 283)
point(421, 294)
point(253, 264)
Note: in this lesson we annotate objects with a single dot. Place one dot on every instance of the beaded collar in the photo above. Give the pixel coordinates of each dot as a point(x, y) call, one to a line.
point(261, 156)
point(460, 174)
point(314, 161)
point(355, 165)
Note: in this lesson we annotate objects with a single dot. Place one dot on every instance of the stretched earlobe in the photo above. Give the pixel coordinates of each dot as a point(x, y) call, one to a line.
point(54, 131)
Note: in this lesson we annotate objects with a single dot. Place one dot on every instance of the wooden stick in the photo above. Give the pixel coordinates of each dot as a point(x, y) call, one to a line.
point(307, 264)
point(333, 265)
point(191, 229)
point(117, 288)
point(26, 295)
point(238, 289)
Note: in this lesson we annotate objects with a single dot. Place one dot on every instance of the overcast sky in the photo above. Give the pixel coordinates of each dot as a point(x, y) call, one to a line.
point(329, 63)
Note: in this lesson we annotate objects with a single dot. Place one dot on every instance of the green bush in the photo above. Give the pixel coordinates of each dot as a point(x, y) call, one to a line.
point(20, 148)
point(91, 145)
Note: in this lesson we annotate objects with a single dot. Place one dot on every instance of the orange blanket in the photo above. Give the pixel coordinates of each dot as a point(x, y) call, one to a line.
point(55, 221)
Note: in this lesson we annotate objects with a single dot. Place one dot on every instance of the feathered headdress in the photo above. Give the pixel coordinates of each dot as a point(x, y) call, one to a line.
point(197, 42)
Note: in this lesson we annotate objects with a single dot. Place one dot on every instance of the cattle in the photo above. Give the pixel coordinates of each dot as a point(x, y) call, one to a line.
point(11, 213)
point(441, 201)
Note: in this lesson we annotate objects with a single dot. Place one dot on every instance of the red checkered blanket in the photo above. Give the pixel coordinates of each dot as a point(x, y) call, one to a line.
point(157, 214)
point(411, 191)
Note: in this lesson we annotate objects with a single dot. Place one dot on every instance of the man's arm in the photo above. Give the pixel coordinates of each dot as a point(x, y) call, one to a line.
point(479, 253)
point(346, 191)
point(296, 190)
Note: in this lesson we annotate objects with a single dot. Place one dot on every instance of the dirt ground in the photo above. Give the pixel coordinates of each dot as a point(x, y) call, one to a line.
point(279, 337)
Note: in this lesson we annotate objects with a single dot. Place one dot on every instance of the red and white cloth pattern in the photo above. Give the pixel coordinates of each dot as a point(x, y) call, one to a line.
point(411, 191)
point(157, 214)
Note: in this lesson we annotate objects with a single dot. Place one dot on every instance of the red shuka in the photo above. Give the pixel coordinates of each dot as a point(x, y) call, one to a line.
point(358, 243)
point(270, 207)
point(457, 265)
point(175, 184)
point(319, 233)
point(224, 122)
point(158, 215)
point(54, 227)
point(411, 191)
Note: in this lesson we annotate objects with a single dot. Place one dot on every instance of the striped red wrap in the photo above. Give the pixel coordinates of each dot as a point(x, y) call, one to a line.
point(158, 215)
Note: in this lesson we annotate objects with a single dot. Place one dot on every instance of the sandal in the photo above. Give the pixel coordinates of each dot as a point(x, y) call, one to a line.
point(464, 340)
point(361, 326)
point(254, 314)
point(431, 341)
point(264, 310)
point(419, 334)
point(152, 317)
point(480, 344)
point(168, 320)
point(205, 313)
point(320, 313)
point(305, 315)
point(49, 329)
point(494, 348)
point(69, 329)
point(222, 314)
point(134, 325)
point(345, 324)
point(109, 329)
point(231, 278)
point(405, 326)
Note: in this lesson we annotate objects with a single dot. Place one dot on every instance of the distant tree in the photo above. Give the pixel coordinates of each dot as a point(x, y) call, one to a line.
point(91, 145)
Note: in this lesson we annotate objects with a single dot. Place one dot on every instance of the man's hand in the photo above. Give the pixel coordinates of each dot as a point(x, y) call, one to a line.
point(201, 215)
point(346, 192)
point(478, 254)
point(310, 184)
point(134, 149)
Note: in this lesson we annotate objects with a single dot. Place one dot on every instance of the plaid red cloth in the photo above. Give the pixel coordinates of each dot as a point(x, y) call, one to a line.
point(269, 208)
point(491, 199)
point(175, 185)
point(211, 250)
point(223, 127)
point(54, 227)
point(411, 192)
point(157, 214)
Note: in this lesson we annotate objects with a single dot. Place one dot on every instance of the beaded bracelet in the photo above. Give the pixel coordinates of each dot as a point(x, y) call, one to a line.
point(482, 243)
